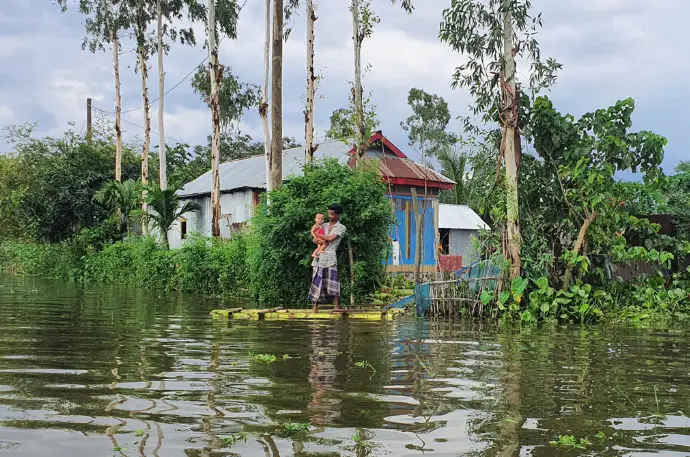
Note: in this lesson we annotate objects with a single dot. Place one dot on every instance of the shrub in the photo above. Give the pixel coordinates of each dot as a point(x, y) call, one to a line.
point(280, 248)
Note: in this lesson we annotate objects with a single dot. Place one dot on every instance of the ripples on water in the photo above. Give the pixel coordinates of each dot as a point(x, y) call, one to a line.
point(100, 371)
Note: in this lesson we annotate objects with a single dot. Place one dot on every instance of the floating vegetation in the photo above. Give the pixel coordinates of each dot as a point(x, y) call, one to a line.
point(235, 438)
point(292, 428)
point(264, 358)
point(570, 442)
point(365, 364)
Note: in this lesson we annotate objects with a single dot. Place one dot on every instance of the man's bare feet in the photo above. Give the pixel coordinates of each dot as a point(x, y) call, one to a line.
point(316, 309)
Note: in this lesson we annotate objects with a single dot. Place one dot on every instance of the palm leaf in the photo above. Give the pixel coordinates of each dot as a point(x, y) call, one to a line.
point(454, 166)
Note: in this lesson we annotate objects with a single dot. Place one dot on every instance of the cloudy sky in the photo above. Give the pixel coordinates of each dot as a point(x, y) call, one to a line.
point(610, 49)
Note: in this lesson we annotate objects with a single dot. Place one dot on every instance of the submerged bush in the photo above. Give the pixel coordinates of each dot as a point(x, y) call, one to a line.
point(57, 260)
point(202, 265)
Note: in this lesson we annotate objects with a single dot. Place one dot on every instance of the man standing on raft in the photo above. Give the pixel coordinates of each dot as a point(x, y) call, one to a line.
point(325, 281)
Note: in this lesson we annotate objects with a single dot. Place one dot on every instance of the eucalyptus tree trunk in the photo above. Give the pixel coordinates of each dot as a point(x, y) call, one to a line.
point(510, 109)
point(357, 38)
point(216, 71)
point(144, 72)
point(118, 108)
point(309, 112)
point(162, 172)
point(263, 106)
point(277, 97)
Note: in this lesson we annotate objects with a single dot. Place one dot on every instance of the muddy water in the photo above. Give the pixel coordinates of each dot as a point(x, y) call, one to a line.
point(101, 371)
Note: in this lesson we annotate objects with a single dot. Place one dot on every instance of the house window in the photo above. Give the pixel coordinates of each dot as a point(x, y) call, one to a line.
point(183, 228)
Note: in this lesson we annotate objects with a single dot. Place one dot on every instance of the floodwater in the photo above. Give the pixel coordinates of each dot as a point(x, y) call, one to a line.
point(101, 371)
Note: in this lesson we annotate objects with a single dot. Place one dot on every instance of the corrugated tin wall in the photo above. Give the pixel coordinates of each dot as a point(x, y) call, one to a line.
point(405, 231)
point(238, 204)
point(460, 243)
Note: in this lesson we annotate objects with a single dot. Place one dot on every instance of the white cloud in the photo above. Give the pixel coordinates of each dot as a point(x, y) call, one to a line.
point(610, 49)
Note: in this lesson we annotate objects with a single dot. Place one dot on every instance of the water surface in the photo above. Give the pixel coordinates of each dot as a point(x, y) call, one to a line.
point(89, 371)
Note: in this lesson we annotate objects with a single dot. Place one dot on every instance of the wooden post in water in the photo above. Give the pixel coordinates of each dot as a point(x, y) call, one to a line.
point(352, 273)
point(419, 219)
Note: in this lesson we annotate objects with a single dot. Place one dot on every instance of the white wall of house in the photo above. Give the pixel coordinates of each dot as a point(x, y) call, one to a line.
point(235, 207)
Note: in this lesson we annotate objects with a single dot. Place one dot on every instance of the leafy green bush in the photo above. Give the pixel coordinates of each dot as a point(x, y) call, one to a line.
point(202, 265)
point(280, 248)
point(54, 260)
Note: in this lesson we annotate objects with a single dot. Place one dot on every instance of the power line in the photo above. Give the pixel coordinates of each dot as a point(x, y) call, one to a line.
point(139, 126)
point(174, 87)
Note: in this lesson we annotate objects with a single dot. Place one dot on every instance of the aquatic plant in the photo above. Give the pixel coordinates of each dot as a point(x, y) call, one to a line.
point(235, 438)
point(570, 442)
point(264, 358)
point(291, 428)
point(365, 364)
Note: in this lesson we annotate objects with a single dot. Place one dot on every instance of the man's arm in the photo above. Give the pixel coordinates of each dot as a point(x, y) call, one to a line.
point(335, 233)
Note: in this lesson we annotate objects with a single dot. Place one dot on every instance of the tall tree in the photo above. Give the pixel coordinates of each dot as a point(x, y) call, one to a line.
point(426, 130)
point(228, 24)
point(263, 106)
point(162, 171)
point(105, 20)
point(363, 21)
point(169, 12)
point(491, 34)
point(311, 80)
point(216, 73)
point(426, 127)
point(276, 176)
point(343, 123)
point(143, 15)
point(235, 98)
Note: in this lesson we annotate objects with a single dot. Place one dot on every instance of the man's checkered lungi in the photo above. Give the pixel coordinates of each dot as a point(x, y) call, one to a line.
point(324, 284)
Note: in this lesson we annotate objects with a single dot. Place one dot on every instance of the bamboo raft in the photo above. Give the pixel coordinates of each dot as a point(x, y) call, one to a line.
point(272, 314)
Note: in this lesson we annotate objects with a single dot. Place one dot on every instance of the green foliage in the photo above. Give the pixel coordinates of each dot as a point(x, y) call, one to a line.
point(236, 97)
point(344, 122)
point(56, 260)
point(264, 358)
point(54, 181)
point(235, 438)
point(210, 267)
point(13, 187)
point(122, 197)
point(280, 246)
point(570, 442)
point(454, 166)
point(292, 428)
point(575, 185)
point(475, 28)
point(426, 127)
point(166, 208)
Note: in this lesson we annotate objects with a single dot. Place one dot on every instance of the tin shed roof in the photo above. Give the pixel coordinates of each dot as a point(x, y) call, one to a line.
point(250, 172)
point(459, 217)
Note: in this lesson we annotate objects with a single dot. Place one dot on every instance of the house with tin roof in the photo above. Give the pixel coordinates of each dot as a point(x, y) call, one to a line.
point(243, 181)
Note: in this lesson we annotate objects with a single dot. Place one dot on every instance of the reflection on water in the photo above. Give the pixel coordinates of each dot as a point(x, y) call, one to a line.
point(99, 371)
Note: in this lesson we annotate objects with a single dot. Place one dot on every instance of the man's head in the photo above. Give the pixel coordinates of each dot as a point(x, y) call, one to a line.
point(334, 212)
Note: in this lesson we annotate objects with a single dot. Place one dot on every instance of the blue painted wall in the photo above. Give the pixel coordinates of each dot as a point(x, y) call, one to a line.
point(399, 231)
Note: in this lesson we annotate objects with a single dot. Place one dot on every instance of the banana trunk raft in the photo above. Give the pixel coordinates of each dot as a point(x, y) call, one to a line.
point(371, 314)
